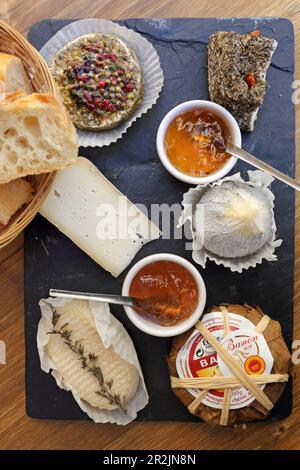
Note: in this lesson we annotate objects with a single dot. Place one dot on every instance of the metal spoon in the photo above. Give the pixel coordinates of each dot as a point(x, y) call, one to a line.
point(164, 306)
point(247, 157)
point(112, 299)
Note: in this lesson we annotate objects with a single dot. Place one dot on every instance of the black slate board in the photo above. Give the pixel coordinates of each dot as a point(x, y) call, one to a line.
point(52, 260)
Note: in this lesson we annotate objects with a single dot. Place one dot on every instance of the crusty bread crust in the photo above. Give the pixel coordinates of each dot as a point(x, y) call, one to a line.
point(13, 75)
point(36, 136)
point(13, 196)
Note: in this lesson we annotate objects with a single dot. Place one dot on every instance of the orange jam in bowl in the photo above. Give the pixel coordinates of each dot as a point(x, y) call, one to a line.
point(168, 284)
point(195, 142)
point(168, 294)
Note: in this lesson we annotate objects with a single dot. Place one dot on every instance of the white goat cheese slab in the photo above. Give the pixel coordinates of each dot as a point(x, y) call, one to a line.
point(95, 215)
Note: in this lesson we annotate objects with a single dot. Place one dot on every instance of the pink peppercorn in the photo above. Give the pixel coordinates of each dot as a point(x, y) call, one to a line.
point(83, 78)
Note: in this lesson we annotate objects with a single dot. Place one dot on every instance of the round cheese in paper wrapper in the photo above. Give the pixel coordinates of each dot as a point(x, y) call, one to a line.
point(261, 353)
point(231, 221)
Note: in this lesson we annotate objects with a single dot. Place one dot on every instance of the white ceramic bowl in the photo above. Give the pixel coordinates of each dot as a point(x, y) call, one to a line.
point(228, 119)
point(151, 327)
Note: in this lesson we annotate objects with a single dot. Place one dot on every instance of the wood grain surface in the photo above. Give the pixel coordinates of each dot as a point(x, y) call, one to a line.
point(17, 431)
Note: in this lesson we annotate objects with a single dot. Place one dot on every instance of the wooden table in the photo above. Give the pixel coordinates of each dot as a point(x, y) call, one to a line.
point(17, 431)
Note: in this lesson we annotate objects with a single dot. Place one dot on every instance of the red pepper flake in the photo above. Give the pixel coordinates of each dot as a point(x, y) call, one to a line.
point(256, 33)
point(87, 96)
point(250, 79)
point(112, 57)
point(91, 47)
point(111, 108)
point(129, 87)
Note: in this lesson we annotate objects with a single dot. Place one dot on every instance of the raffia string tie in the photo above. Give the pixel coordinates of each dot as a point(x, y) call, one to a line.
point(230, 381)
point(235, 368)
point(193, 406)
point(238, 379)
point(262, 324)
point(227, 392)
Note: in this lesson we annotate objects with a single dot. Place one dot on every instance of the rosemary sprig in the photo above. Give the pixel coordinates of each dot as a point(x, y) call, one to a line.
point(88, 360)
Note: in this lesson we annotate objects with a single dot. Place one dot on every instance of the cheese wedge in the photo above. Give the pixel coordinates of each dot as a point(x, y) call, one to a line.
point(115, 383)
point(96, 216)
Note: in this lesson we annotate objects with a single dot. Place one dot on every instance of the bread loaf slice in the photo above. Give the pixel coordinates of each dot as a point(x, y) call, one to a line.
point(13, 75)
point(97, 374)
point(36, 136)
point(13, 196)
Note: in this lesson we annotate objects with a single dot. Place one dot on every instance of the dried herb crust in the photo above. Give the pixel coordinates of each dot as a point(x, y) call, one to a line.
point(100, 80)
point(282, 365)
point(237, 68)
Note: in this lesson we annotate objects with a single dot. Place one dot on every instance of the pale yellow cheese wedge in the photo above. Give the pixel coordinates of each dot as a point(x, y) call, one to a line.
point(95, 215)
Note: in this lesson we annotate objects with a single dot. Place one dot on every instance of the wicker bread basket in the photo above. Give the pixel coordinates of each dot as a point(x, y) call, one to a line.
point(13, 43)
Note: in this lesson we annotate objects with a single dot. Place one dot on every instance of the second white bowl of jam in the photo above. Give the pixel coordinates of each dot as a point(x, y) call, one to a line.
point(167, 280)
point(191, 141)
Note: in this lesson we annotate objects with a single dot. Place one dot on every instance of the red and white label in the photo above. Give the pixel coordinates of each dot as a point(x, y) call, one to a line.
point(197, 358)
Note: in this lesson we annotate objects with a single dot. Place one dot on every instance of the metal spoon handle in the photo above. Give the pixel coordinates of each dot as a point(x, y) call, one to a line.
point(247, 157)
point(112, 299)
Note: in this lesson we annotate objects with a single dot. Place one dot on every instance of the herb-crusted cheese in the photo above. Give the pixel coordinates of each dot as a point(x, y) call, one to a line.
point(100, 80)
point(237, 68)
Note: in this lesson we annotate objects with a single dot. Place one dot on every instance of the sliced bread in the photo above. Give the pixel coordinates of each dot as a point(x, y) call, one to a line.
point(13, 196)
point(13, 75)
point(36, 136)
